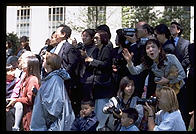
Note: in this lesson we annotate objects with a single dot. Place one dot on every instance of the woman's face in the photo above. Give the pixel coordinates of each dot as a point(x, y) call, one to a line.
point(160, 37)
point(152, 51)
point(162, 100)
point(129, 89)
point(86, 38)
point(97, 39)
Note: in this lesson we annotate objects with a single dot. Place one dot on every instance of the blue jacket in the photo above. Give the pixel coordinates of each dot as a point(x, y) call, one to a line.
point(85, 124)
point(52, 108)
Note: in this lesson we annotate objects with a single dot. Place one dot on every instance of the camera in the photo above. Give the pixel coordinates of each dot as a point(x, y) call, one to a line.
point(119, 62)
point(152, 101)
point(80, 46)
point(129, 31)
point(116, 110)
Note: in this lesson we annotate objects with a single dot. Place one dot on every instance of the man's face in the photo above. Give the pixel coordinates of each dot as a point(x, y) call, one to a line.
point(140, 31)
point(173, 30)
point(59, 36)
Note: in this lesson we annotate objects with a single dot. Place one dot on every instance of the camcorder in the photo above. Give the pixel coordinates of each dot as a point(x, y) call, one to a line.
point(80, 46)
point(151, 101)
point(129, 31)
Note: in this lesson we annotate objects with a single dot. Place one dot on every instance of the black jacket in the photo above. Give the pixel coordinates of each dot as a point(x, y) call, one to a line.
point(102, 74)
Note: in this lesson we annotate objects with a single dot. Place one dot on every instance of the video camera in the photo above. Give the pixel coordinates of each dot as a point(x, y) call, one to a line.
point(129, 31)
point(152, 101)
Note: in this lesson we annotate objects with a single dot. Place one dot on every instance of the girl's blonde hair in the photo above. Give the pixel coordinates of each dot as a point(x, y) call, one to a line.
point(172, 101)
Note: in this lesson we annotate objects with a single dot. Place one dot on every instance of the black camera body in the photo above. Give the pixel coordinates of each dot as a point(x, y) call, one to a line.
point(80, 46)
point(116, 110)
point(129, 31)
point(119, 62)
point(152, 101)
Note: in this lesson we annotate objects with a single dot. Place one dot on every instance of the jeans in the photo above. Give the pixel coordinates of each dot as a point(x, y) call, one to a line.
point(99, 104)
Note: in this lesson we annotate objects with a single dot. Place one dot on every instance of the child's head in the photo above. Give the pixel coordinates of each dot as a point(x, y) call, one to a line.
point(87, 107)
point(126, 87)
point(129, 116)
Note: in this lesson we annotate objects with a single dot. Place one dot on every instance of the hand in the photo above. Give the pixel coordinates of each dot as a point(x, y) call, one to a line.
point(149, 109)
point(88, 59)
point(114, 68)
point(191, 124)
point(11, 103)
point(81, 113)
point(127, 55)
point(74, 41)
point(163, 81)
point(83, 53)
point(132, 39)
point(118, 115)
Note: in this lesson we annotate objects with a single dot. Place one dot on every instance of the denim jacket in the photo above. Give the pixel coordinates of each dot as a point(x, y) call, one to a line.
point(163, 71)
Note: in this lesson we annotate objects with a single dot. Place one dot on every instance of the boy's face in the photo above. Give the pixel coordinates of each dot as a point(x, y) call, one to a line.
point(125, 120)
point(86, 110)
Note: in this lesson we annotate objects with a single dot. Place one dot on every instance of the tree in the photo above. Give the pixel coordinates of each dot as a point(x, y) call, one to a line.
point(15, 41)
point(134, 14)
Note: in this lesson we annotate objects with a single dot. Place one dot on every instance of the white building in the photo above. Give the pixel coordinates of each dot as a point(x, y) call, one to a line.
point(38, 22)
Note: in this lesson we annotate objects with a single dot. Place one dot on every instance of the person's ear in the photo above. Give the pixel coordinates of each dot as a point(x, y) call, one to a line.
point(62, 35)
point(131, 121)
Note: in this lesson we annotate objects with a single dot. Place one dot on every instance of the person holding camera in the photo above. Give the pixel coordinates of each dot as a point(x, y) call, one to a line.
point(52, 110)
point(169, 117)
point(123, 100)
point(87, 48)
point(119, 69)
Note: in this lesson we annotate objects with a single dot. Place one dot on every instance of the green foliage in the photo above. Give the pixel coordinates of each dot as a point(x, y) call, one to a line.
point(133, 14)
point(15, 41)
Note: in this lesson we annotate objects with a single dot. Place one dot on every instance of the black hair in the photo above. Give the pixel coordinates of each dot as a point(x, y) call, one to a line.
point(105, 28)
point(24, 39)
point(66, 29)
point(121, 37)
point(162, 56)
point(179, 27)
point(163, 29)
point(148, 28)
point(131, 113)
point(89, 102)
point(91, 32)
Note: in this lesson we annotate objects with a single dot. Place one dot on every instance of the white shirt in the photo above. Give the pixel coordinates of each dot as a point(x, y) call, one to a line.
point(59, 46)
point(169, 121)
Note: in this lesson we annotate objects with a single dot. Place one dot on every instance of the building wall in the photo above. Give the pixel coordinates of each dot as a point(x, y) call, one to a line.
point(11, 18)
point(39, 28)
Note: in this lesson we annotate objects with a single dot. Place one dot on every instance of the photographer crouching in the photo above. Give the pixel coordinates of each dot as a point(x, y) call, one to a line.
point(169, 117)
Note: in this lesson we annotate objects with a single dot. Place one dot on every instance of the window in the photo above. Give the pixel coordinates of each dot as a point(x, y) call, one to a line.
point(56, 17)
point(23, 20)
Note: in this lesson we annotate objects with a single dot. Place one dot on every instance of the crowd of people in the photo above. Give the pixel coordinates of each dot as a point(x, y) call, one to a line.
point(145, 83)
